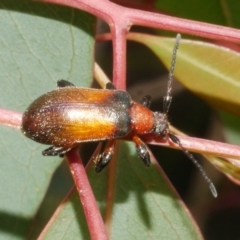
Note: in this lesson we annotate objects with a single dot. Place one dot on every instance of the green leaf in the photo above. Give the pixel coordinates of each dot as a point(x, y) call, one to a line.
point(211, 11)
point(39, 44)
point(231, 132)
point(145, 205)
point(210, 71)
point(232, 127)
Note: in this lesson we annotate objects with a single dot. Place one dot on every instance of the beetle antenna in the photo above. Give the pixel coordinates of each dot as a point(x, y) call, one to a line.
point(194, 160)
point(168, 98)
point(166, 105)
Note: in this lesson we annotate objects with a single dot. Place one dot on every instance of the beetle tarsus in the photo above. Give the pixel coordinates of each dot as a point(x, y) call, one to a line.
point(103, 161)
point(105, 156)
point(143, 154)
point(110, 86)
point(54, 151)
point(146, 101)
point(142, 150)
point(64, 83)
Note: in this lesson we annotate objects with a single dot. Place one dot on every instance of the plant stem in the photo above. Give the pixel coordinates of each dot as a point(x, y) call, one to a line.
point(94, 219)
point(120, 19)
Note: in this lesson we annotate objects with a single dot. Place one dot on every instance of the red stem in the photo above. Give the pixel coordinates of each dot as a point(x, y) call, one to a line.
point(13, 119)
point(181, 25)
point(124, 18)
point(119, 60)
point(94, 219)
point(10, 118)
point(120, 19)
point(198, 145)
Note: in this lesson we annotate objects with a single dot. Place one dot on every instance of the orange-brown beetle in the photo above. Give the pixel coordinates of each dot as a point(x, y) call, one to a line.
point(69, 115)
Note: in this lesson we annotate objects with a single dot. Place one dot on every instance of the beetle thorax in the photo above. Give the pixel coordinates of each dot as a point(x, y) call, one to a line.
point(161, 123)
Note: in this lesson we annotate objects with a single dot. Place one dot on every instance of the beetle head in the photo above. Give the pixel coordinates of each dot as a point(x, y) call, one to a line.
point(161, 124)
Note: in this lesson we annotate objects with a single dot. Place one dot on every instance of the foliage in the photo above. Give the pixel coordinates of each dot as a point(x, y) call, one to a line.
point(41, 43)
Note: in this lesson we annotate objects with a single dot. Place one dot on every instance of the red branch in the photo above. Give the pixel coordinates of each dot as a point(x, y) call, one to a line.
point(10, 118)
point(120, 19)
point(13, 119)
point(198, 145)
point(94, 220)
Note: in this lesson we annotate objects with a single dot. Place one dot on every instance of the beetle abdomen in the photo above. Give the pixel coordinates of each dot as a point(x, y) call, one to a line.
point(68, 116)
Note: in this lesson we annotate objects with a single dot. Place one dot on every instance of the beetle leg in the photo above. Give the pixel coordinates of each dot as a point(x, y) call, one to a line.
point(63, 83)
point(110, 86)
point(142, 150)
point(105, 156)
point(146, 101)
point(54, 151)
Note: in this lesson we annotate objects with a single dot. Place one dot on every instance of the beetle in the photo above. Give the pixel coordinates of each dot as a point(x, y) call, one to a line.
point(69, 115)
